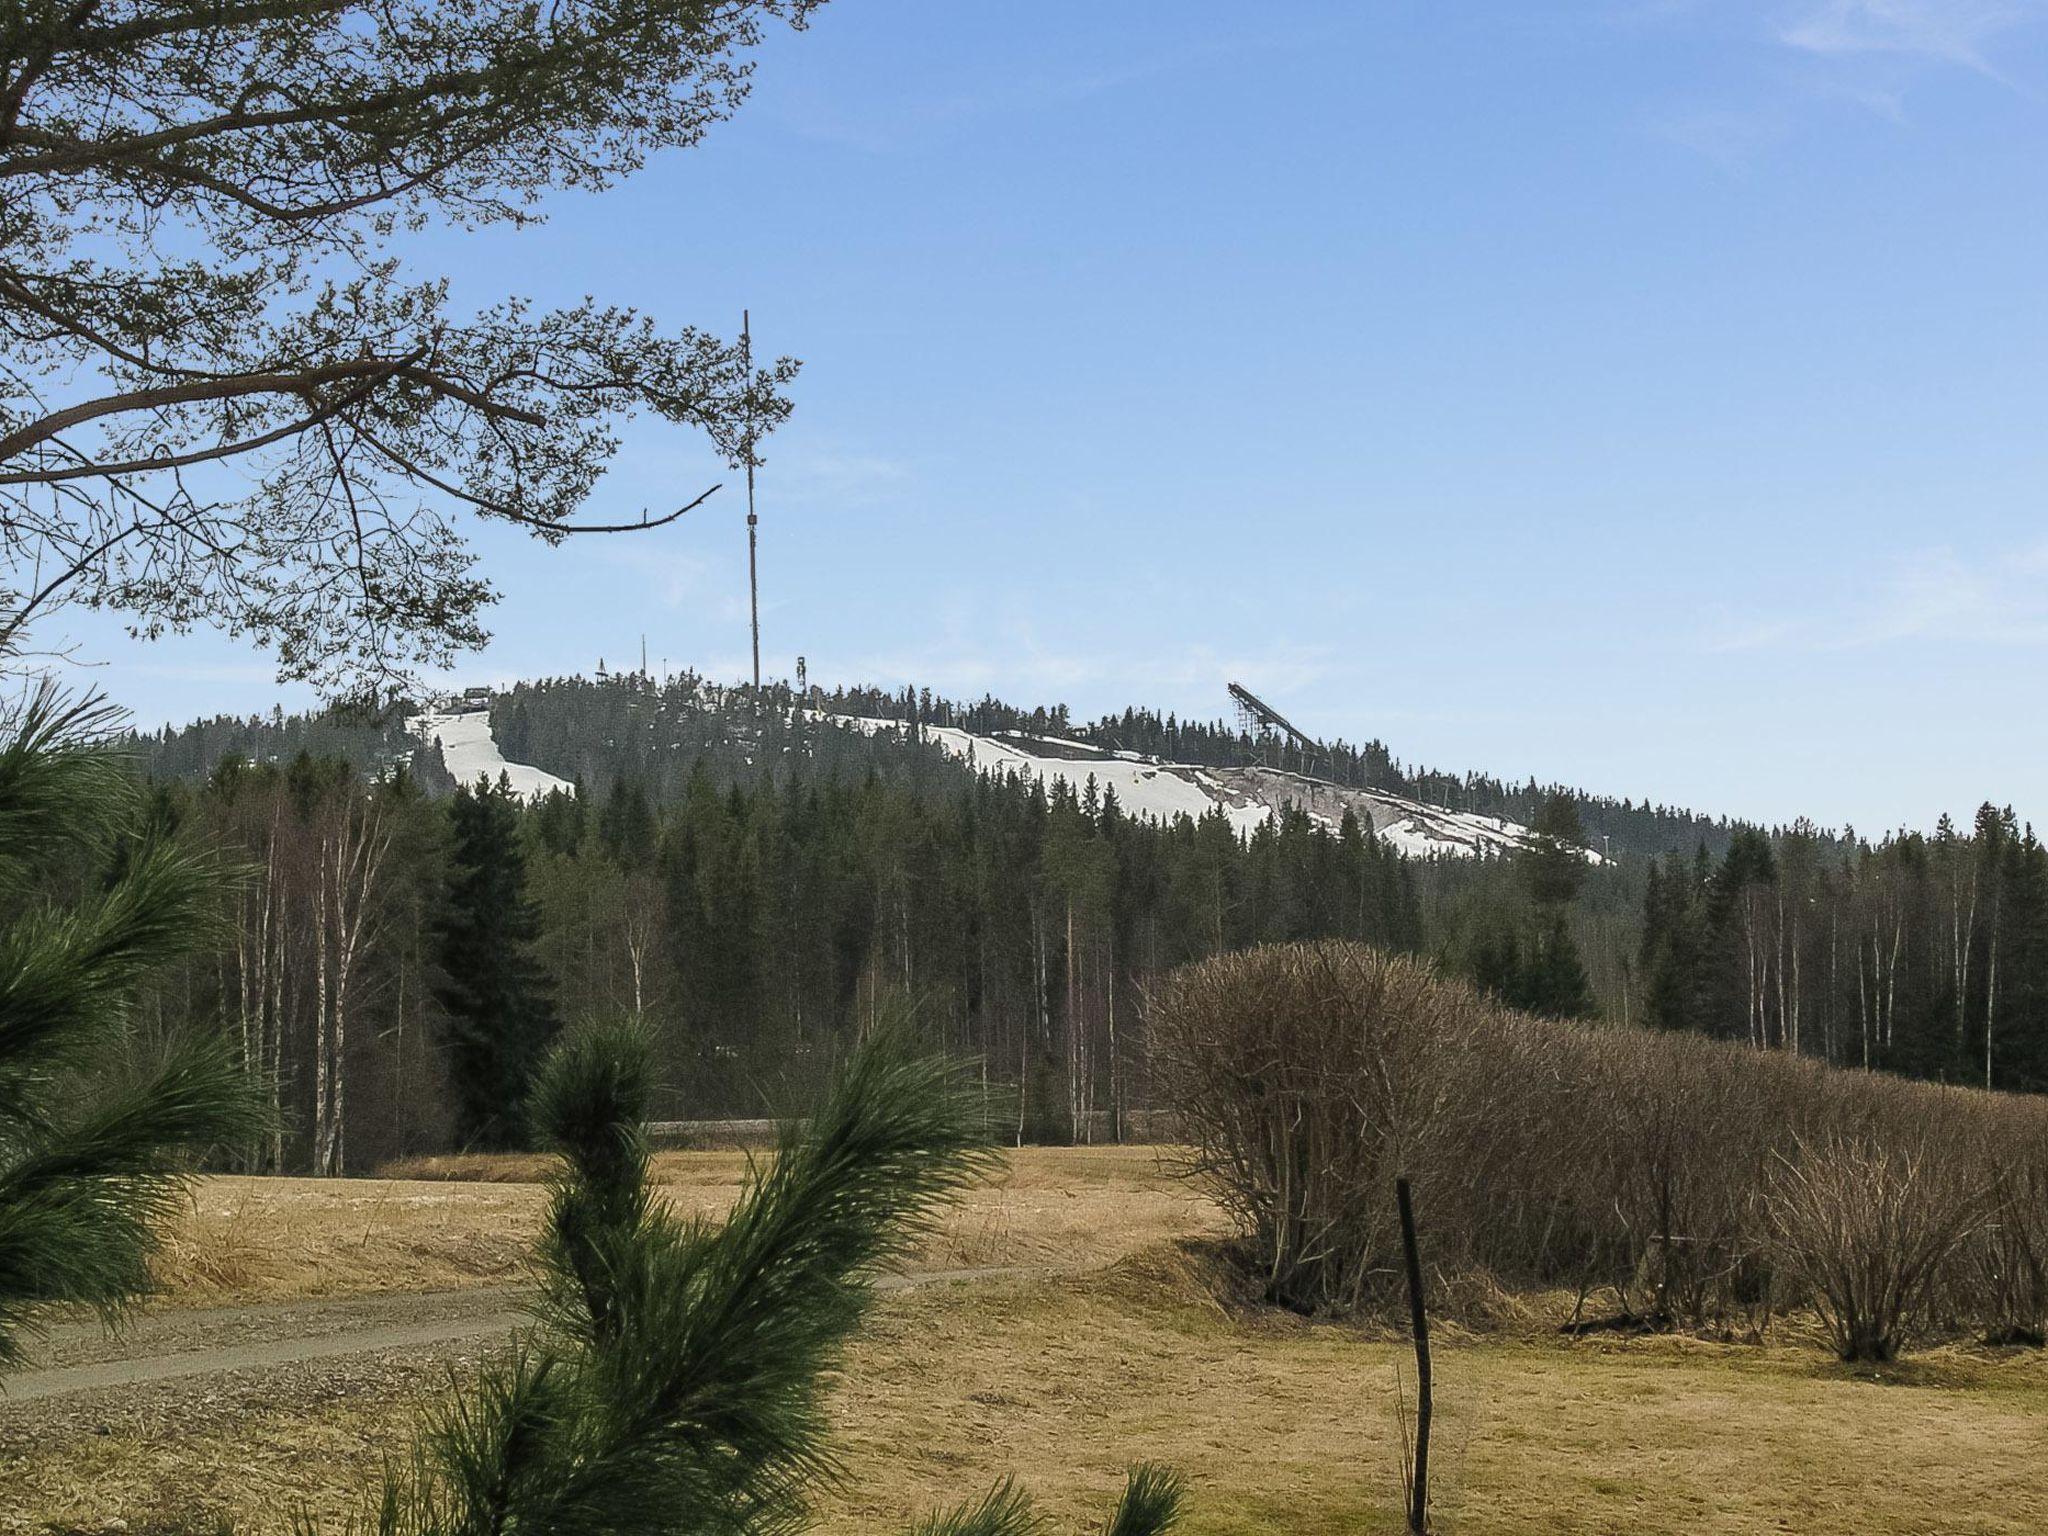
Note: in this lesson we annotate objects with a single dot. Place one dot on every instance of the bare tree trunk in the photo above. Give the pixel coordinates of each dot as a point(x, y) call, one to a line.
point(639, 934)
point(354, 857)
point(1758, 980)
point(1863, 996)
point(276, 976)
point(291, 990)
point(1785, 1037)
point(1074, 1039)
point(1962, 934)
point(1827, 1017)
point(323, 1049)
point(1116, 1077)
point(1023, 1080)
point(1798, 979)
point(401, 1118)
point(1891, 976)
point(1990, 998)
point(244, 976)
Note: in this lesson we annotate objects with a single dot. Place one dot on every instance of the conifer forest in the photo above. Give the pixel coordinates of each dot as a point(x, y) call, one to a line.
point(765, 882)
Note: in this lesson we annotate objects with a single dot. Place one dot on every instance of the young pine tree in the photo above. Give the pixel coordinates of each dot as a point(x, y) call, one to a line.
point(94, 1148)
point(677, 1380)
point(501, 1016)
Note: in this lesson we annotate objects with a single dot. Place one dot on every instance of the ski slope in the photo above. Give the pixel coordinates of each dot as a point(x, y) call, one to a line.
point(470, 751)
point(1145, 786)
point(1161, 790)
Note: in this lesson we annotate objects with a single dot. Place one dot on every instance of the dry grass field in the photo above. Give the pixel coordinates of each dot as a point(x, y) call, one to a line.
point(1117, 1351)
point(449, 1223)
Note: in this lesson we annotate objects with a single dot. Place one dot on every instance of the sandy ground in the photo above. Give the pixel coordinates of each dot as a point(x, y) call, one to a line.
point(1112, 1351)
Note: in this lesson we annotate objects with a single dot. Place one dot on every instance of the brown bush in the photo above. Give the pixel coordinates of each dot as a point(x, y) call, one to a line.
point(1665, 1168)
point(2002, 1285)
point(1863, 1229)
point(1308, 1076)
point(1686, 1126)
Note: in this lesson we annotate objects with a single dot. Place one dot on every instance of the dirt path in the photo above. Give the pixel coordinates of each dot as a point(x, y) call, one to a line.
point(171, 1345)
point(358, 1331)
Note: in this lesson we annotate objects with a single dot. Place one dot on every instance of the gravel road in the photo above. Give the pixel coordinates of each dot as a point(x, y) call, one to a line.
point(178, 1370)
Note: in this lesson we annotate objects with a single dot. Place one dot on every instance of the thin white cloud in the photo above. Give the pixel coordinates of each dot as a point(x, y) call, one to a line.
point(679, 579)
point(1941, 596)
point(1017, 664)
point(1935, 596)
point(1731, 137)
point(1829, 54)
point(1885, 101)
point(1946, 31)
point(833, 478)
point(877, 125)
point(1728, 633)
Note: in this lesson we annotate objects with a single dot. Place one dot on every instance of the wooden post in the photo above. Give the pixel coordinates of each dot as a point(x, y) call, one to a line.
point(1418, 1488)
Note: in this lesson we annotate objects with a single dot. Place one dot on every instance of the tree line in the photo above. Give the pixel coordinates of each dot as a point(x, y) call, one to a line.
point(395, 963)
point(764, 881)
point(630, 726)
point(1926, 955)
point(597, 729)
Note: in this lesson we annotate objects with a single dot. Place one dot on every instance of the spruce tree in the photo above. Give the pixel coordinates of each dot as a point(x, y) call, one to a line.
point(94, 1148)
point(626, 827)
point(1554, 982)
point(1554, 863)
point(1495, 965)
point(559, 819)
point(501, 1015)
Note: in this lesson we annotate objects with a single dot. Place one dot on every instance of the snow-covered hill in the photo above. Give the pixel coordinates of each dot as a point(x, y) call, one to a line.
point(470, 751)
point(1147, 786)
point(1144, 786)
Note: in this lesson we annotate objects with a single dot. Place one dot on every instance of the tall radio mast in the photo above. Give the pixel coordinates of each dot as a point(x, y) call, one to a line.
point(753, 521)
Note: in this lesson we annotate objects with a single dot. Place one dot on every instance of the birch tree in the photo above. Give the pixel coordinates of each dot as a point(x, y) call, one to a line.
point(352, 844)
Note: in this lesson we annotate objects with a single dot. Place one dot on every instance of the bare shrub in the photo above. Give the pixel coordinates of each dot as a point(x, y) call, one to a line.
point(1861, 1229)
point(1307, 1077)
point(1695, 1179)
point(1527, 1169)
point(2002, 1284)
point(1689, 1128)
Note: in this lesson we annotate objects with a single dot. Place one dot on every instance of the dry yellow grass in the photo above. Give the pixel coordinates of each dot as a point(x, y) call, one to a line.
point(1281, 1426)
point(1293, 1428)
point(1063, 1380)
point(469, 1222)
point(271, 1239)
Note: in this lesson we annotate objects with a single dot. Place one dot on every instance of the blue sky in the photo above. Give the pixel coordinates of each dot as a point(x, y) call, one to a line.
point(1651, 396)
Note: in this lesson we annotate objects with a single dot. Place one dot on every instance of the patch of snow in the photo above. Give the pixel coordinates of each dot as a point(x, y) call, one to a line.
point(1145, 786)
point(471, 752)
point(1150, 787)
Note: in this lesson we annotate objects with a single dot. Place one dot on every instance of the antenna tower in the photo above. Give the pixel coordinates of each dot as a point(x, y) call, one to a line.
point(753, 521)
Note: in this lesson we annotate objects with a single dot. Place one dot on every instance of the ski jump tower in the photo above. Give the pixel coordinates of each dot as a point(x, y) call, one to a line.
point(1260, 718)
